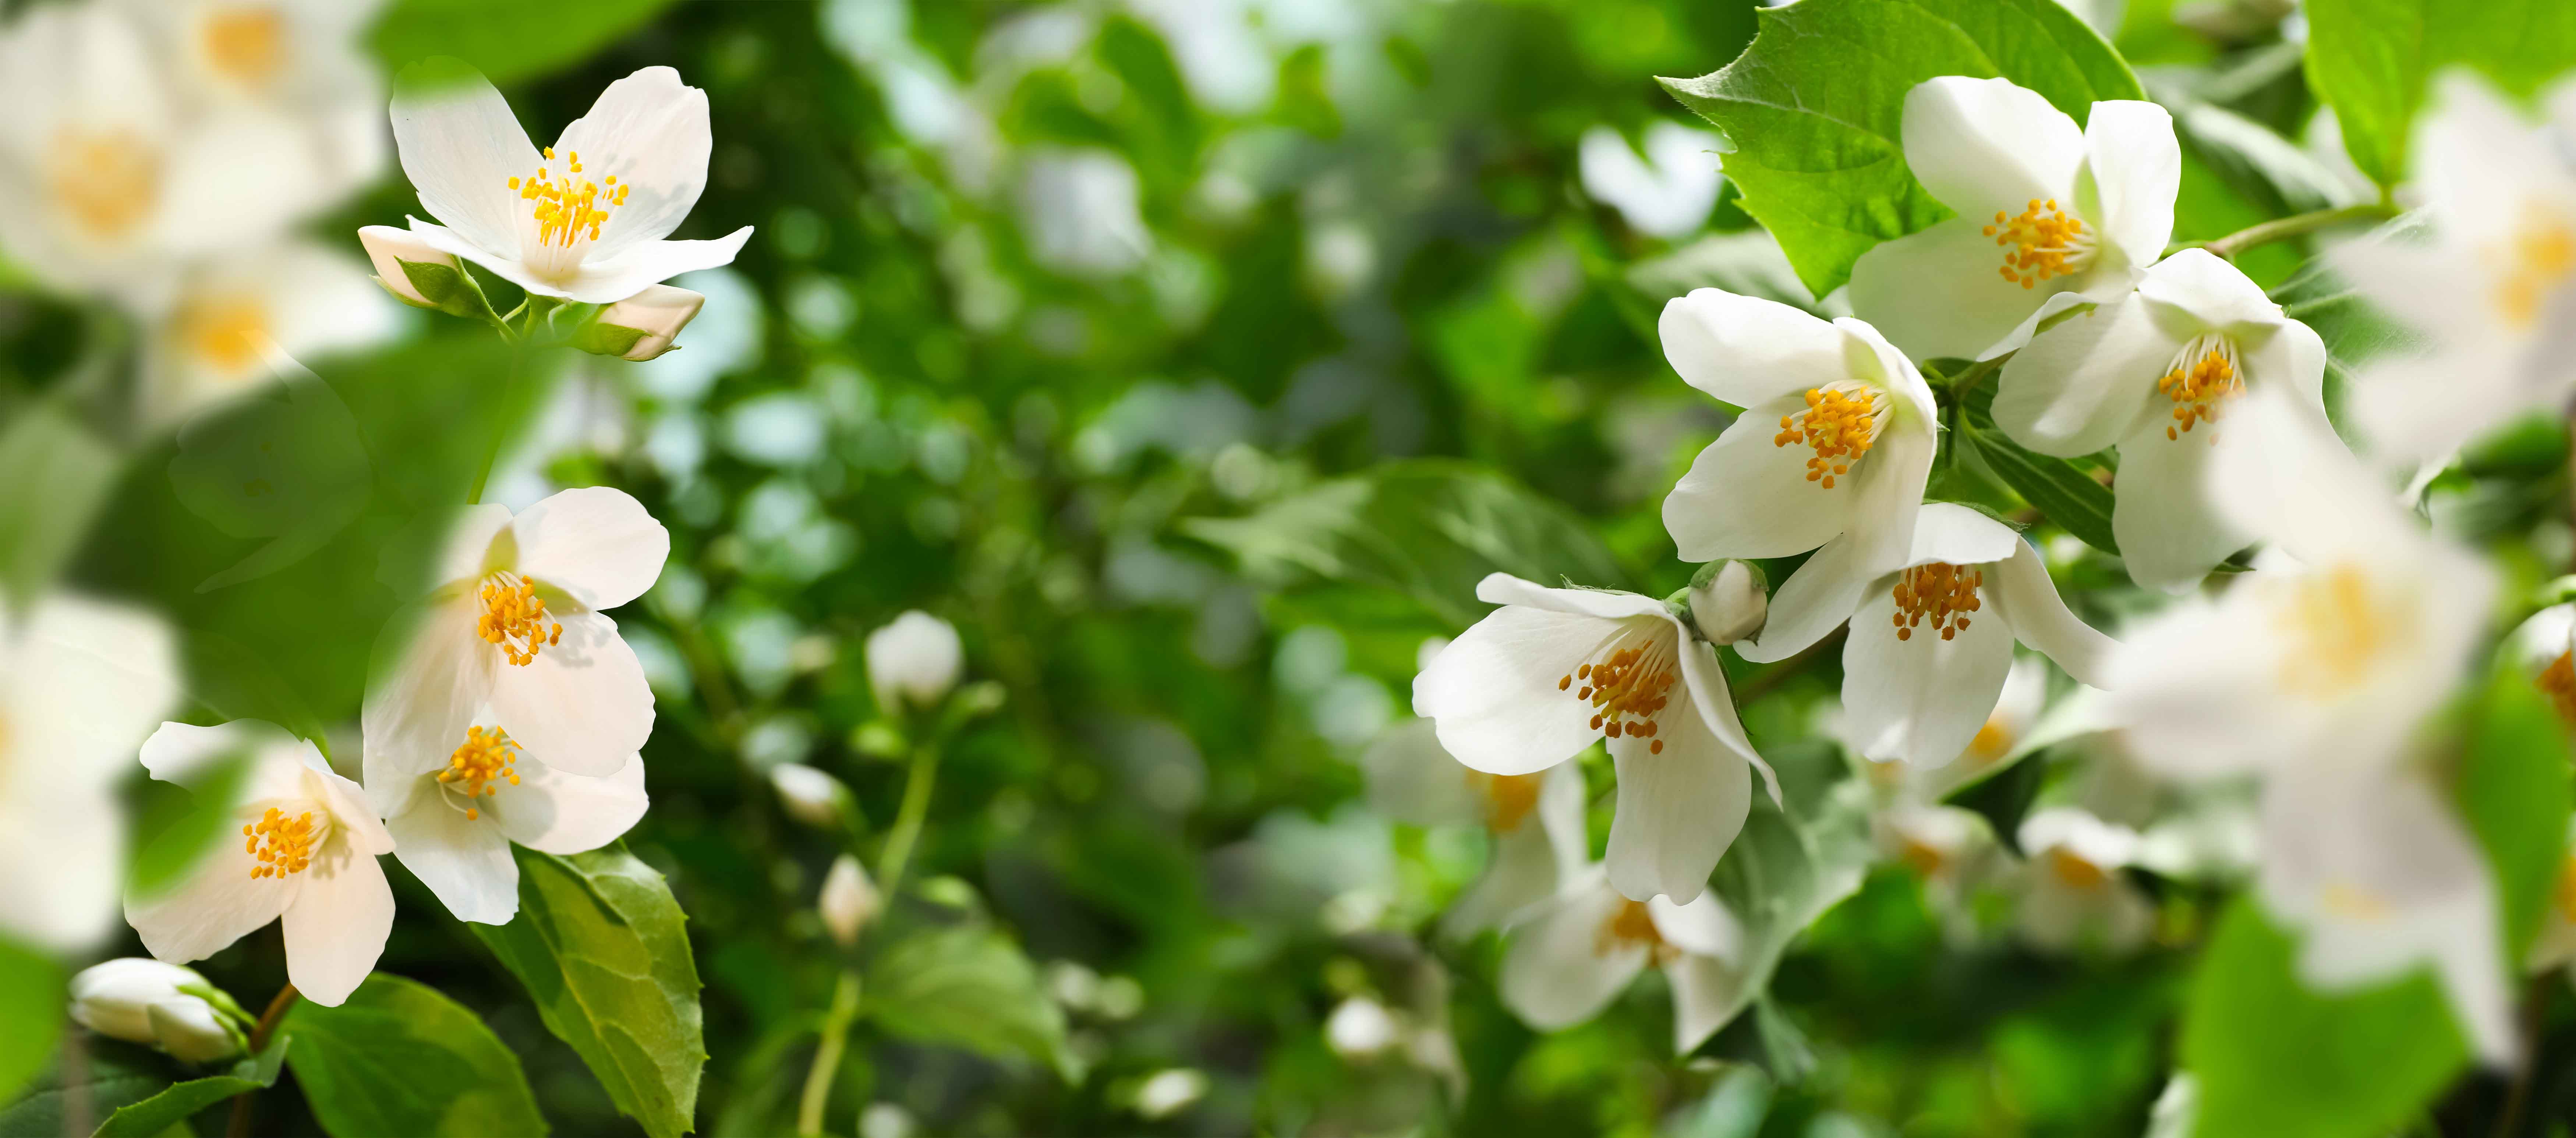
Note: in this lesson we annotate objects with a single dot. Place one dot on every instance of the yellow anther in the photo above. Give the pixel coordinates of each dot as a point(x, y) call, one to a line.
point(107, 181)
point(1994, 740)
point(475, 768)
point(2558, 682)
point(550, 154)
point(2200, 381)
point(231, 334)
point(1839, 425)
point(2043, 242)
point(2566, 897)
point(568, 209)
point(2338, 629)
point(247, 44)
point(1629, 680)
point(1923, 858)
point(1633, 926)
point(2074, 871)
point(1944, 592)
point(282, 845)
point(514, 618)
point(1509, 798)
point(2537, 259)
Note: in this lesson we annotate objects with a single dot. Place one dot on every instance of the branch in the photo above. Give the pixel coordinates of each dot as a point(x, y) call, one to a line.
point(2296, 225)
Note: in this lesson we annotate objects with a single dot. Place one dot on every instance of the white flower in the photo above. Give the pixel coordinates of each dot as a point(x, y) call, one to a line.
point(2555, 946)
point(307, 858)
point(2077, 892)
point(1536, 821)
point(2490, 285)
point(1168, 1092)
point(1931, 643)
point(849, 901)
point(913, 661)
point(161, 1005)
point(2153, 373)
point(453, 826)
point(1575, 956)
point(300, 59)
point(1360, 1028)
point(512, 625)
point(244, 319)
point(810, 795)
point(587, 220)
point(81, 684)
point(1666, 193)
point(1952, 850)
point(1536, 681)
point(2049, 215)
point(655, 317)
point(1836, 435)
point(2545, 647)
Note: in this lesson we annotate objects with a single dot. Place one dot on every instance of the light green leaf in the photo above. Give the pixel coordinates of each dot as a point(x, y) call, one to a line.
point(604, 951)
point(174, 1105)
point(1746, 262)
point(2353, 330)
point(1788, 866)
point(969, 987)
point(399, 1058)
point(31, 1003)
point(1812, 110)
point(2372, 61)
point(1428, 528)
point(507, 40)
point(2513, 791)
point(60, 474)
point(2058, 488)
point(113, 1074)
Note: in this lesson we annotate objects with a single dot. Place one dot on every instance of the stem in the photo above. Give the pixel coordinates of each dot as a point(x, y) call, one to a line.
point(907, 822)
point(827, 1056)
point(1974, 374)
point(259, 1037)
point(2535, 1007)
point(2282, 229)
point(509, 387)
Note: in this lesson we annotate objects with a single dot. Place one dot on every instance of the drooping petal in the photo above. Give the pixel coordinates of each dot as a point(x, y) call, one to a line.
point(1747, 496)
point(557, 813)
point(2208, 294)
point(2171, 534)
point(337, 925)
point(2293, 358)
point(1948, 532)
point(1923, 698)
point(1608, 604)
point(1981, 145)
point(2135, 165)
point(582, 704)
point(460, 146)
point(418, 708)
point(1412, 779)
point(1890, 489)
point(1814, 601)
point(612, 279)
point(650, 132)
point(595, 543)
point(353, 816)
point(1563, 967)
point(1745, 350)
point(1703, 926)
point(1522, 875)
point(219, 904)
point(1677, 810)
point(1942, 292)
point(1707, 991)
point(1704, 677)
point(2021, 595)
point(466, 862)
point(1560, 814)
point(1494, 691)
point(2282, 475)
point(2082, 385)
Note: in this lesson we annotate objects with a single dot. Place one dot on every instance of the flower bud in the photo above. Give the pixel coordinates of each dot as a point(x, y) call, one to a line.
point(417, 273)
point(1729, 601)
point(164, 1005)
point(192, 1031)
point(1361, 1028)
point(641, 326)
point(849, 900)
point(811, 796)
point(913, 661)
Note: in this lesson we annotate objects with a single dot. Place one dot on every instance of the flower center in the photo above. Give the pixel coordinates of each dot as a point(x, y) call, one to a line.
point(1509, 798)
point(474, 769)
point(1839, 424)
point(2202, 378)
point(2075, 871)
point(1924, 858)
point(229, 335)
point(1994, 738)
point(245, 44)
point(107, 180)
point(2338, 631)
point(1628, 681)
point(514, 618)
point(283, 845)
point(2536, 259)
point(2043, 242)
point(2558, 682)
point(568, 207)
point(1942, 591)
point(1632, 926)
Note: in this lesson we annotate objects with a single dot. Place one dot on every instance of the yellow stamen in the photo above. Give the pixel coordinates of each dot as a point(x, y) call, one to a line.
point(2074, 871)
point(474, 768)
point(1633, 926)
point(2338, 629)
point(2043, 242)
point(2566, 897)
point(1994, 740)
point(284, 846)
point(1921, 857)
point(568, 209)
point(2202, 379)
point(1628, 681)
point(2537, 259)
point(246, 44)
point(229, 333)
point(2558, 682)
point(514, 618)
point(1839, 424)
point(1942, 591)
point(1509, 798)
point(108, 181)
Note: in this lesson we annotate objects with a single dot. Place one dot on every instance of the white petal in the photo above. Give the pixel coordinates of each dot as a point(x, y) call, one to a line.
point(1921, 699)
point(1942, 292)
point(337, 925)
point(460, 146)
point(1494, 690)
point(1561, 969)
point(1890, 489)
point(2215, 294)
point(467, 553)
point(216, 906)
point(65, 858)
point(2192, 688)
point(1704, 677)
point(612, 279)
point(1522, 875)
point(1952, 533)
point(97, 678)
point(417, 709)
point(582, 707)
point(1609, 604)
point(1561, 806)
point(1872, 359)
point(2019, 593)
point(2281, 474)
point(353, 815)
point(2425, 408)
point(557, 813)
point(2292, 358)
point(1702, 926)
point(1814, 601)
point(1744, 350)
point(2170, 532)
point(2485, 168)
point(595, 543)
point(1980, 145)
point(505, 265)
point(1677, 812)
point(1411, 779)
point(181, 753)
point(649, 131)
point(2549, 634)
point(2136, 169)
point(1707, 991)
point(1746, 496)
point(466, 862)
point(2081, 386)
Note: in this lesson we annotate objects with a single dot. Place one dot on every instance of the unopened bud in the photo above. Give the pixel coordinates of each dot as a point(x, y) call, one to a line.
point(163, 1005)
point(849, 901)
point(1729, 601)
point(1361, 1028)
point(641, 326)
point(419, 274)
point(810, 796)
point(192, 1031)
point(913, 661)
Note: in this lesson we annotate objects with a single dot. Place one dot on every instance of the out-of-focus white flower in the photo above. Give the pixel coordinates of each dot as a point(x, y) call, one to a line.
point(2317, 676)
point(1921, 674)
point(587, 220)
point(244, 319)
point(1666, 193)
point(2545, 646)
point(1946, 846)
point(1731, 603)
point(810, 795)
point(2050, 215)
point(1536, 820)
point(307, 859)
point(161, 1005)
point(453, 826)
point(511, 636)
point(1169, 1092)
point(641, 327)
point(1836, 437)
point(1360, 1028)
point(1568, 962)
point(849, 900)
point(2491, 285)
point(2076, 890)
point(1536, 681)
point(2555, 947)
point(81, 684)
point(885, 1120)
point(1078, 210)
point(913, 661)
point(302, 60)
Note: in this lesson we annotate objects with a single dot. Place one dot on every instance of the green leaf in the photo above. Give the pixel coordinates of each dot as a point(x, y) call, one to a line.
point(1786, 867)
point(399, 1058)
point(2513, 791)
point(176, 1103)
point(2058, 488)
point(2372, 60)
point(1812, 110)
point(62, 474)
point(968, 987)
point(113, 1074)
point(2353, 330)
point(604, 952)
point(31, 1003)
point(507, 40)
point(1428, 528)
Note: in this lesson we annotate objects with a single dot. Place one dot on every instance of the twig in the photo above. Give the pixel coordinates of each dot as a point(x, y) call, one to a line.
point(827, 1055)
point(259, 1036)
point(2282, 229)
point(907, 823)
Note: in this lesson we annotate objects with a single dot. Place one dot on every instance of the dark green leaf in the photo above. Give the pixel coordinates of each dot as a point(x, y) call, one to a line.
point(174, 1105)
point(31, 1003)
point(505, 39)
point(59, 474)
point(967, 987)
point(112, 1074)
point(1786, 868)
point(399, 1058)
point(2371, 61)
point(604, 951)
point(1812, 111)
point(2069, 496)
